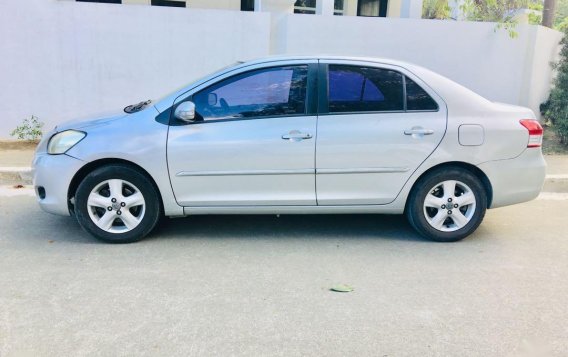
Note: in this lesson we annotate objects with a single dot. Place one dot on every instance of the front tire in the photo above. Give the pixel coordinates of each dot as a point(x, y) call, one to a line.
point(447, 204)
point(117, 204)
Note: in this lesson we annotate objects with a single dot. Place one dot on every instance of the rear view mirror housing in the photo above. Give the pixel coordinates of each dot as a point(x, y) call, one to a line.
point(185, 112)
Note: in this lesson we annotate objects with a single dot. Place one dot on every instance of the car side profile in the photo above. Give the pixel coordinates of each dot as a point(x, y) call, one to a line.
point(296, 135)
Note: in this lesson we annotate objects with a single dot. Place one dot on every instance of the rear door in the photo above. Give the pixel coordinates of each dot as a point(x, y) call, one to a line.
point(376, 125)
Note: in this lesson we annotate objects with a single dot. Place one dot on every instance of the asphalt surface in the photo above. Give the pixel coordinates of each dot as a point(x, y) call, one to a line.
point(259, 286)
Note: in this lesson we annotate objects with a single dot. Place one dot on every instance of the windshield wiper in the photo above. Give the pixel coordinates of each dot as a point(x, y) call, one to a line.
point(137, 107)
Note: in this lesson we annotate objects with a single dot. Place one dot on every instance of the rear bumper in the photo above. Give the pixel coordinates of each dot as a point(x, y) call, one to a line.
point(52, 175)
point(516, 180)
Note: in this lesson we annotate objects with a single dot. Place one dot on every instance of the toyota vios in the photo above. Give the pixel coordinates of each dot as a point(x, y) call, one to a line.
point(296, 135)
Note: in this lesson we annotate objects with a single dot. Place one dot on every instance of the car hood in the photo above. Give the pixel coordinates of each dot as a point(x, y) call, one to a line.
point(97, 120)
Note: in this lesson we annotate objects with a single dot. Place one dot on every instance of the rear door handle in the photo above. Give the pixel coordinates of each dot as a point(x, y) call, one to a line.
point(296, 135)
point(418, 131)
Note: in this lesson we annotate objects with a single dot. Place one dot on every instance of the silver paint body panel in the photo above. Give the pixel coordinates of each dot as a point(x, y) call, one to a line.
point(353, 163)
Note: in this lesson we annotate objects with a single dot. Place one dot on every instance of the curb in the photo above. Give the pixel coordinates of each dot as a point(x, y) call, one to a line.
point(16, 175)
point(555, 184)
point(23, 175)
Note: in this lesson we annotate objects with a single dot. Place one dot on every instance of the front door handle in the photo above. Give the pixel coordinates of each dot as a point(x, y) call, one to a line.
point(296, 135)
point(418, 131)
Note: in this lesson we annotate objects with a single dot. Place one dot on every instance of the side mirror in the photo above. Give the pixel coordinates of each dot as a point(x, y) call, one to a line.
point(185, 112)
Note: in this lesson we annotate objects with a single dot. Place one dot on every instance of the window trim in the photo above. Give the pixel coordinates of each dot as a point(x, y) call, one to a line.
point(310, 105)
point(323, 89)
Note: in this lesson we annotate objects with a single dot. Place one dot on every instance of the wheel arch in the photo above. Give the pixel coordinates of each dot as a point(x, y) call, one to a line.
point(462, 165)
point(93, 165)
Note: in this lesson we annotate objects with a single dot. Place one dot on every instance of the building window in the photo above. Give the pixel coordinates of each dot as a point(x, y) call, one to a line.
point(309, 7)
point(338, 7)
point(305, 7)
point(373, 8)
point(171, 3)
point(103, 1)
point(247, 5)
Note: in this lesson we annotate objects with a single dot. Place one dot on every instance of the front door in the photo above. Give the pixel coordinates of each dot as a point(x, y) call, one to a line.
point(253, 142)
point(376, 126)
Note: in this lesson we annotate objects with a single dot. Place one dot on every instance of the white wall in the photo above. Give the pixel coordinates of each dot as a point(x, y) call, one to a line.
point(514, 71)
point(544, 48)
point(60, 60)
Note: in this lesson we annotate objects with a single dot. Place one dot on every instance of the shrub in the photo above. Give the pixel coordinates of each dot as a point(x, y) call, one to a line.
point(29, 130)
point(556, 108)
point(436, 9)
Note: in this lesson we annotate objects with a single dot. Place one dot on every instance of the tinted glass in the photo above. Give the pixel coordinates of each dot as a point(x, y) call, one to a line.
point(361, 89)
point(277, 91)
point(417, 98)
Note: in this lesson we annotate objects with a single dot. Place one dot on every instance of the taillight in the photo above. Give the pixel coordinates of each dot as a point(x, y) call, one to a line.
point(535, 132)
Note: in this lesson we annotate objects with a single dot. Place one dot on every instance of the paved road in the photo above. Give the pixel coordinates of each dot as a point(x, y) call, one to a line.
point(254, 286)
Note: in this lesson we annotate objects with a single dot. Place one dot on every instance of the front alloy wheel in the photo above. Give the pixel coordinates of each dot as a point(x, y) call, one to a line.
point(447, 204)
point(117, 204)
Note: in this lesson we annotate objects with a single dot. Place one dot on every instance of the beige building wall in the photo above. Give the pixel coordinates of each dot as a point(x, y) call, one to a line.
point(393, 8)
point(350, 8)
point(214, 4)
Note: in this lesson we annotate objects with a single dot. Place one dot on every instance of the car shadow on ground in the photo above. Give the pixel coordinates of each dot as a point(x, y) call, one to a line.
point(48, 227)
point(360, 226)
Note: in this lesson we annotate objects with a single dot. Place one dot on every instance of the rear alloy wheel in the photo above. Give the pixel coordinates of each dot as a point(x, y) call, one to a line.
point(447, 205)
point(117, 204)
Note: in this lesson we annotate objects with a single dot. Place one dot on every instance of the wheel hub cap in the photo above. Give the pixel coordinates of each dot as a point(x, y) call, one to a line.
point(449, 206)
point(116, 206)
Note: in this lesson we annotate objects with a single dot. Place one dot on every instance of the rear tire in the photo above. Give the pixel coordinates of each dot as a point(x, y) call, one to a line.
point(117, 204)
point(447, 205)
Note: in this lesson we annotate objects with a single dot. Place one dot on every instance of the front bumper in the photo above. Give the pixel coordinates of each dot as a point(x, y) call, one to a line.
point(516, 180)
point(52, 175)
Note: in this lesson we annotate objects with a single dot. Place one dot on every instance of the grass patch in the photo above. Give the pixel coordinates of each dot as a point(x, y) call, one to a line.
point(551, 144)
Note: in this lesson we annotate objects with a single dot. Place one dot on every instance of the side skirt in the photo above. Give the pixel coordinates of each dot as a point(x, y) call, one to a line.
point(382, 209)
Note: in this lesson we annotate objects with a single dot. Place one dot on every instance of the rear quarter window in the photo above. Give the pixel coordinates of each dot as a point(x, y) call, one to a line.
point(417, 99)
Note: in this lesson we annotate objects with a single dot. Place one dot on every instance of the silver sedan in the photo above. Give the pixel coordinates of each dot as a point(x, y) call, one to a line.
point(296, 135)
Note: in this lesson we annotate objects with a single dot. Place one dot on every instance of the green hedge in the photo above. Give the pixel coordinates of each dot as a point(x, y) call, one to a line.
point(556, 107)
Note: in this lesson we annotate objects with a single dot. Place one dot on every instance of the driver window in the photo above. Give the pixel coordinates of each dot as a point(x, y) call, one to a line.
point(268, 92)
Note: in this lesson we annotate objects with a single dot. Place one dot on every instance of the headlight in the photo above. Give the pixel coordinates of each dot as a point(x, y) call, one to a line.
point(61, 142)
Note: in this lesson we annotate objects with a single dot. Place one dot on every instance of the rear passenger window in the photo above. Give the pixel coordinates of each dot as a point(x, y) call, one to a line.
point(417, 98)
point(363, 89)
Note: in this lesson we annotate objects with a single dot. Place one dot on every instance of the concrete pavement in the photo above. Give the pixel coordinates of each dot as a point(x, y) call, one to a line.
point(258, 286)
